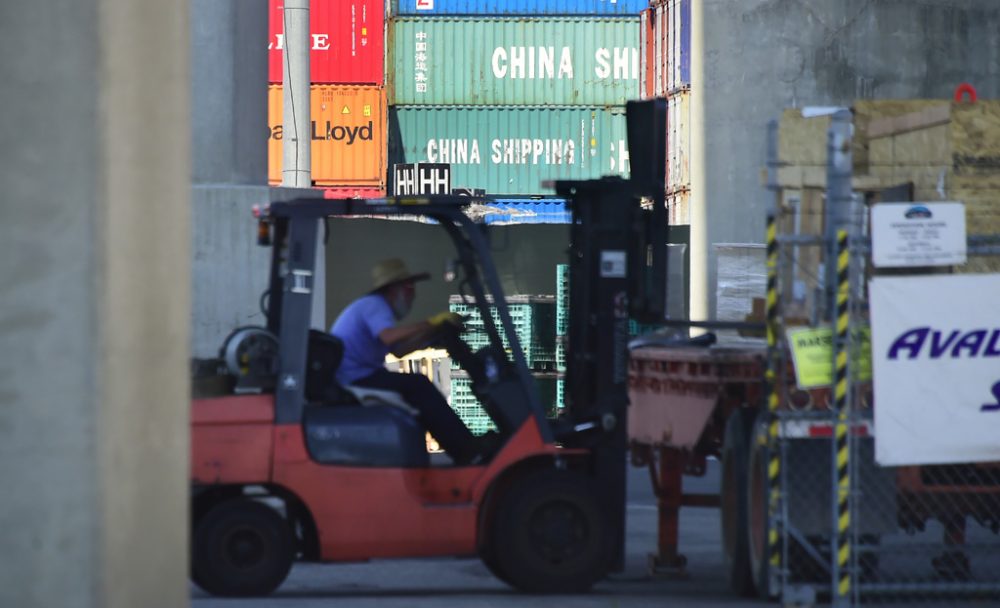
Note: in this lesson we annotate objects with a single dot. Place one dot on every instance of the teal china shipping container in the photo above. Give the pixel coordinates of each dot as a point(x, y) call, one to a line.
point(511, 150)
point(523, 61)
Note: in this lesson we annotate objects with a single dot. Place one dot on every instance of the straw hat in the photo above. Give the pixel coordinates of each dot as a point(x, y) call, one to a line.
point(393, 270)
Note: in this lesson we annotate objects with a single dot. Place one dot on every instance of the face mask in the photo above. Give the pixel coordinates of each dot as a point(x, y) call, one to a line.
point(399, 304)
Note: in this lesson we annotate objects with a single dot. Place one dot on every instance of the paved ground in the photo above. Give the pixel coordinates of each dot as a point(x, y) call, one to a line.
point(465, 583)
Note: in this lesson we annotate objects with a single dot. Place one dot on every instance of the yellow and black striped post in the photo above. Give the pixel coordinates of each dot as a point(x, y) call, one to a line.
point(771, 378)
point(842, 446)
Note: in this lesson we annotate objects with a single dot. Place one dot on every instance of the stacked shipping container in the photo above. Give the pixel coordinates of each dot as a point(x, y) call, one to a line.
point(666, 72)
point(347, 74)
point(511, 93)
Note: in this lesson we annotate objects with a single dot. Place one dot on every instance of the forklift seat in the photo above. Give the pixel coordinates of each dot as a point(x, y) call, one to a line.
point(383, 435)
point(325, 354)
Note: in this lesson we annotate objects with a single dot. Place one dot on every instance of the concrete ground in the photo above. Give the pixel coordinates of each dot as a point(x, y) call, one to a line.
point(465, 583)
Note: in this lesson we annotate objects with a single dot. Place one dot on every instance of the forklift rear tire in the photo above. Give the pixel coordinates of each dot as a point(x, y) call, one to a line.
point(733, 495)
point(241, 548)
point(550, 535)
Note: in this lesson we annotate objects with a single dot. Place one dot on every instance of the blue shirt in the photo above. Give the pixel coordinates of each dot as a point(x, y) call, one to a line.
point(358, 326)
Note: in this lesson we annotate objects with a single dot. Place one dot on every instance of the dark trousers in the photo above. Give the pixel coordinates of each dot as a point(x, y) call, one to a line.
point(435, 413)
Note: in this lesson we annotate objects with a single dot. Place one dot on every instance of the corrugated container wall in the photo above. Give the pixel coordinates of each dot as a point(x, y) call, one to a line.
point(646, 54)
point(666, 55)
point(679, 141)
point(347, 41)
point(679, 36)
point(523, 61)
point(518, 7)
point(679, 208)
point(348, 136)
point(511, 150)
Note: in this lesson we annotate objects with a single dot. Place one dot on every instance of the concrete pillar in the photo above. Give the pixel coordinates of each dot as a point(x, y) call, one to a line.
point(94, 307)
point(701, 272)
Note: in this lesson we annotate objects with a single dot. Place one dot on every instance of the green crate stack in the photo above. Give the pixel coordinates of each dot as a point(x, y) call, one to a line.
point(532, 317)
point(562, 299)
point(468, 407)
point(562, 329)
point(560, 393)
point(471, 411)
point(561, 354)
point(548, 385)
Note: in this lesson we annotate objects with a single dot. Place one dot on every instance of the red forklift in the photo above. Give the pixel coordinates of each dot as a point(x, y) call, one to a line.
point(287, 466)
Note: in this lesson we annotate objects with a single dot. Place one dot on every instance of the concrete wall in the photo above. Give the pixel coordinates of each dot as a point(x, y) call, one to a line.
point(525, 256)
point(229, 91)
point(761, 56)
point(229, 270)
point(94, 311)
point(229, 153)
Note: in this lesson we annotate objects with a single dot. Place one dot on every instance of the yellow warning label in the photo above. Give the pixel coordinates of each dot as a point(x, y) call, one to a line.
point(812, 356)
point(367, 110)
point(346, 110)
point(364, 31)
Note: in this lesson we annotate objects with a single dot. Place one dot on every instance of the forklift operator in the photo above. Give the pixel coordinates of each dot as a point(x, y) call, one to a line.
point(369, 330)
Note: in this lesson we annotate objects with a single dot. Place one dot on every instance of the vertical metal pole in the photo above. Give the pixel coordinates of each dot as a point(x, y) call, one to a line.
point(296, 168)
point(839, 200)
point(701, 271)
point(774, 546)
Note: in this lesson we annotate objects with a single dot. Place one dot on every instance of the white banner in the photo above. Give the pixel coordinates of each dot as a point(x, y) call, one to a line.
point(936, 362)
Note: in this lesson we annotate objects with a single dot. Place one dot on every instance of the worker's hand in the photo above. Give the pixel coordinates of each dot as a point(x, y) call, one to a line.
point(450, 318)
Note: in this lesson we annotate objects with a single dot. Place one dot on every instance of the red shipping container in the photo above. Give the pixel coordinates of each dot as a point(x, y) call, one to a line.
point(348, 192)
point(346, 40)
point(665, 58)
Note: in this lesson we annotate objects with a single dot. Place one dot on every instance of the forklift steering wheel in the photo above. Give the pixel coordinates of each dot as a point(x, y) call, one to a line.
point(446, 334)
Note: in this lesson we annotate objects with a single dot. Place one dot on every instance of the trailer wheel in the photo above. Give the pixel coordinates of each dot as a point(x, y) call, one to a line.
point(735, 521)
point(757, 510)
point(241, 548)
point(550, 535)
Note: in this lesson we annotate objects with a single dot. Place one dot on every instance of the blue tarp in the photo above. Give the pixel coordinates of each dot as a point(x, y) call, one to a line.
point(526, 211)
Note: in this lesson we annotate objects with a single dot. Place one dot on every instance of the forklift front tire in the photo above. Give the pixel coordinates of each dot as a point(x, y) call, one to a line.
point(241, 548)
point(550, 534)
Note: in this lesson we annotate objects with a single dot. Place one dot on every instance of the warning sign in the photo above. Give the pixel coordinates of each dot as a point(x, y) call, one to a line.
point(812, 356)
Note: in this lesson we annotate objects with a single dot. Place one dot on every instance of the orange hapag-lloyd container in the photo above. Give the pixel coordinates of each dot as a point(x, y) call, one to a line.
point(347, 131)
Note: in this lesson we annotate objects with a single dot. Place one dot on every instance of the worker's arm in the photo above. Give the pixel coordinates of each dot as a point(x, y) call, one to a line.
point(404, 339)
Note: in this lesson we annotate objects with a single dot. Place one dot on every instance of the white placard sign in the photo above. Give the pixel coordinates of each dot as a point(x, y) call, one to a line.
point(918, 234)
point(613, 264)
point(936, 363)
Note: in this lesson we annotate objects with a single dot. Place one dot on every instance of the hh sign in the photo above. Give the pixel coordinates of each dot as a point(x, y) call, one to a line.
point(421, 178)
point(936, 360)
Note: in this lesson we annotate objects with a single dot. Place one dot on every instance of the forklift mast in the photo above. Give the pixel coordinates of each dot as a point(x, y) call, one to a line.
point(617, 271)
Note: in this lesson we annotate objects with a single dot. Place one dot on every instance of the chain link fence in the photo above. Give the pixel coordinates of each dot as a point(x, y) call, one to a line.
point(837, 526)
